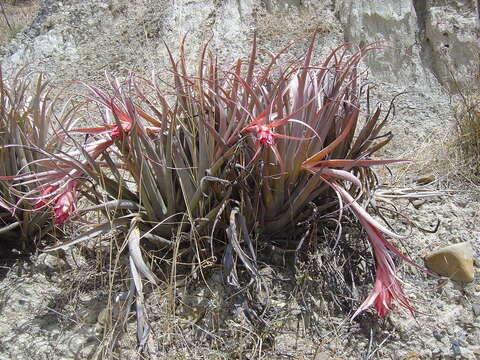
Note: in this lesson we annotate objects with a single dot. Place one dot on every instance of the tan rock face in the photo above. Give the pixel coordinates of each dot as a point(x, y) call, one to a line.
point(454, 261)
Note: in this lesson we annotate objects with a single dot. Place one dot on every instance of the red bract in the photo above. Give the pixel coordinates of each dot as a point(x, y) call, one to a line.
point(387, 286)
point(65, 204)
point(113, 131)
point(57, 184)
point(266, 137)
point(123, 114)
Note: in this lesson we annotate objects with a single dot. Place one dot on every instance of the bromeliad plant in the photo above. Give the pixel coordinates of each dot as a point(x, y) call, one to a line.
point(28, 119)
point(300, 120)
point(241, 152)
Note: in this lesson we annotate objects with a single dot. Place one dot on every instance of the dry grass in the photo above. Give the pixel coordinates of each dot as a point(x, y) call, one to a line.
point(192, 314)
point(451, 160)
point(297, 23)
point(438, 163)
point(467, 130)
point(15, 15)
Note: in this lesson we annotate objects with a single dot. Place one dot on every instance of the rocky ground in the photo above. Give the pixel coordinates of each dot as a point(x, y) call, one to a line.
point(64, 306)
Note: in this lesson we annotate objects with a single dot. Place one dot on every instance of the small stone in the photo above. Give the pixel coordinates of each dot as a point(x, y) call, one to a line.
point(468, 354)
point(476, 309)
point(322, 356)
point(50, 262)
point(461, 202)
point(454, 261)
point(462, 341)
point(476, 350)
point(89, 313)
point(23, 301)
point(456, 348)
point(425, 179)
point(108, 314)
point(438, 336)
point(472, 339)
point(417, 203)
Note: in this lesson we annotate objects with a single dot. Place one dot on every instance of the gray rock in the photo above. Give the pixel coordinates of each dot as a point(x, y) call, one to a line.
point(456, 350)
point(322, 356)
point(437, 335)
point(365, 20)
point(452, 36)
point(417, 203)
point(51, 262)
point(476, 309)
point(461, 202)
point(89, 311)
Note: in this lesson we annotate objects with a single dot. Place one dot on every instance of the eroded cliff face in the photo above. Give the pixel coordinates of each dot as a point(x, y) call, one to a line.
point(425, 39)
point(449, 34)
point(395, 23)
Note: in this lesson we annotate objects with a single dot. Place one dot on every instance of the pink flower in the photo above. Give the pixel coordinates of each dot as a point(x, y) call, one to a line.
point(123, 113)
point(59, 183)
point(65, 204)
point(116, 130)
point(265, 135)
point(387, 286)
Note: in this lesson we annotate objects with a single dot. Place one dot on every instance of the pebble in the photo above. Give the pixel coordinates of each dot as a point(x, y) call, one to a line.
point(456, 348)
point(468, 354)
point(322, 356)
point(472, 339)
point(417, 203)
point(425, 179)
point(23, 301)
point(476, 309)
point(89, 313)
point(454, 261)
point(49, 262)
point(461, 202)
point(462, 341)
point(438, 336)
